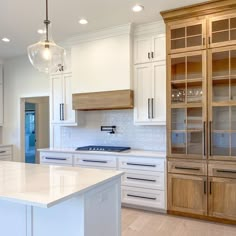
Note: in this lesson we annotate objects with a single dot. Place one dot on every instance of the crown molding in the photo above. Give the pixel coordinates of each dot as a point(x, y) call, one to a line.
point(150, 28)
point(98, 35)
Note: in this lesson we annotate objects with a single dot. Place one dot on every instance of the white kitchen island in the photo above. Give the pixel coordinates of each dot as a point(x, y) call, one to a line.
point(38, 200)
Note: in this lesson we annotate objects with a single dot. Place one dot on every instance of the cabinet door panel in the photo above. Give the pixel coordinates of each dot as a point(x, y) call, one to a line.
point(222, 198)
point(159, 48)
point(56, 97)
point(143, 93)
point(159, 95)
point(142, 50)
point(187, 194)
point(69, 114)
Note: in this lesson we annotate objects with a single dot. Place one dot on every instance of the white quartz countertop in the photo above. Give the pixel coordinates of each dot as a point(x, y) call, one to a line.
point(131, 152)
point(45, 186)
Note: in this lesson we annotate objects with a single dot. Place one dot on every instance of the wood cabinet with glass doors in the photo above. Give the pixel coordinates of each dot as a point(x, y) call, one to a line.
point(201, 109)
point(187, 105)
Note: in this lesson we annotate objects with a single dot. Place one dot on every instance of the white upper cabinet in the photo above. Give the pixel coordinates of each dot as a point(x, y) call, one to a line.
point(102, 62)
point(61, 100)
point(150, 49)
point(150, 94)
point(150, 75)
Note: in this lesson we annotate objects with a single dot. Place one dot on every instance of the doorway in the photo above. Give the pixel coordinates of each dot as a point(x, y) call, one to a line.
point(34, 127)
point(30, 138)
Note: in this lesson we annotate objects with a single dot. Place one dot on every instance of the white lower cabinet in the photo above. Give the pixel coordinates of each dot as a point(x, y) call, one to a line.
point(6, 153)
point(143, 183)
point(56, 158)
point(143, 197)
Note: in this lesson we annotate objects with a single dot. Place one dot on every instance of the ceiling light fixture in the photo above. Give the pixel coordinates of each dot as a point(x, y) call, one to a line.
point(46, 56)
point(6, 40)
point(137, 8)
point(83, 21)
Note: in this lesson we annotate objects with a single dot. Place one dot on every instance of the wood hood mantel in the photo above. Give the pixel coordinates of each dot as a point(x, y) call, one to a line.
point(108, 100)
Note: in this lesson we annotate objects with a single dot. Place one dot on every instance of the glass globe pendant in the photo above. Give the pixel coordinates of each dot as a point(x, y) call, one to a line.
point(45, 55)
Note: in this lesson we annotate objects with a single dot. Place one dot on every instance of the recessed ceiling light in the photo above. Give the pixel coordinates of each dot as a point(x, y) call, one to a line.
point(83, 21)
point(137, 8)
point(41, 31)
point(6, 40)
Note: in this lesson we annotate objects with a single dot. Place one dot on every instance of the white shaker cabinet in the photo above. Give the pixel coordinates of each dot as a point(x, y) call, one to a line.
point(61, 100)
point(149, 49)
point(150, 94)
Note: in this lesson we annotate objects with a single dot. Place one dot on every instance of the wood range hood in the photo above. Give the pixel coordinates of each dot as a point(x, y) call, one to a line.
point(108, 100)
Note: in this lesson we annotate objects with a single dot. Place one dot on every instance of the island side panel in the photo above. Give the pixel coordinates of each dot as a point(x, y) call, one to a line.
point(97, 212)
point(103, 210)
point(12, 219)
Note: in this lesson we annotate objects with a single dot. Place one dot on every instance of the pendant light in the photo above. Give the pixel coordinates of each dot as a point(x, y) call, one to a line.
point(45, 55)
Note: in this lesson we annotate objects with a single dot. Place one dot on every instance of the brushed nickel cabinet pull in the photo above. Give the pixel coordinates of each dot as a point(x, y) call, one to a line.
point(205, 191)
point(227, 171)
point(149, 198)
point(136, 164)
point(148, 180)
point(149, 115)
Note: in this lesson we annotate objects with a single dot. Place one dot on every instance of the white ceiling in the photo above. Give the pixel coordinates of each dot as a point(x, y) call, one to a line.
point(20, 19)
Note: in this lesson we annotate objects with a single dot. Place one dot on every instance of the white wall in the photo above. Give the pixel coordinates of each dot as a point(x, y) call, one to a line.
point(20, 80)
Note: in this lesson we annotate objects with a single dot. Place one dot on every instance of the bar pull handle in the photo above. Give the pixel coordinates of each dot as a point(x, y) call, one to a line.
point(2, 151)
point(187, 168)
point(227, 171)
point(149, 115)
point(209, 40)
point(149, 56)
point(210, 187)
point(204, 41)
point(204, 138)
point(210, 138)
point(136, 164)
point(95, 161)
point(152, 53)
point(62, 111)
point(55, 158)
point(147, 180)
point(205, 191)
point(149, 198)
point(152, 105)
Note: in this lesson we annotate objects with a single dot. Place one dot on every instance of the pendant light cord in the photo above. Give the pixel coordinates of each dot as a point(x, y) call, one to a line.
point(47, 22)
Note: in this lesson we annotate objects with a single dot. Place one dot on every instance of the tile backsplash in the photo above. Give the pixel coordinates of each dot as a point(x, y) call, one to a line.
point(127, 134)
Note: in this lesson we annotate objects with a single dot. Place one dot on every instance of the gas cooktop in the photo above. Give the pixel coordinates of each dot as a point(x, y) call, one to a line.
point(102, 148)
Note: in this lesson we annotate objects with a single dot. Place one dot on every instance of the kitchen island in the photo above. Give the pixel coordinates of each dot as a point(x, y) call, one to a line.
point(38, 200)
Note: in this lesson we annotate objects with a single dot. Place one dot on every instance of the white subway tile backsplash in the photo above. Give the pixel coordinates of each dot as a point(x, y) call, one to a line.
point(127, 134)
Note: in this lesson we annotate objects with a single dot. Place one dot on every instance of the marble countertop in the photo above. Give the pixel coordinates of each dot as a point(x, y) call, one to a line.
point(131, 152)
point(45, 186)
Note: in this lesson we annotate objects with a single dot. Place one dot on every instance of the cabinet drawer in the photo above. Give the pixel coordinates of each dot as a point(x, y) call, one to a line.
point(150, 180)
point(5, 158)
point(5, 151)
point(185, 167)
point(143, 197)
point(56, 158)
point(142, 164)
point(222, 170)
point(95, 160)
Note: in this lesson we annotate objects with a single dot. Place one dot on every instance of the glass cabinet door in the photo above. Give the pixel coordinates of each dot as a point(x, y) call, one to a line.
point(187, 36)
point(222, 98)
point(223, 31)
point(187, 83)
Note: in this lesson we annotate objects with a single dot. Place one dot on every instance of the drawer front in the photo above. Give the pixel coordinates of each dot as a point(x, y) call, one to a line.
point(143, 180)
point(185, 167)
point(5, 158)
point(143, 197)
point(56, 158)
point(95, 160)
point(5, 151)
point(147, 164)
point(222, 170)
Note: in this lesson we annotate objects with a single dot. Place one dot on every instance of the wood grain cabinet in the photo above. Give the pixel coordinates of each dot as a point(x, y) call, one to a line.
point(187, 193)
point(201, 109)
